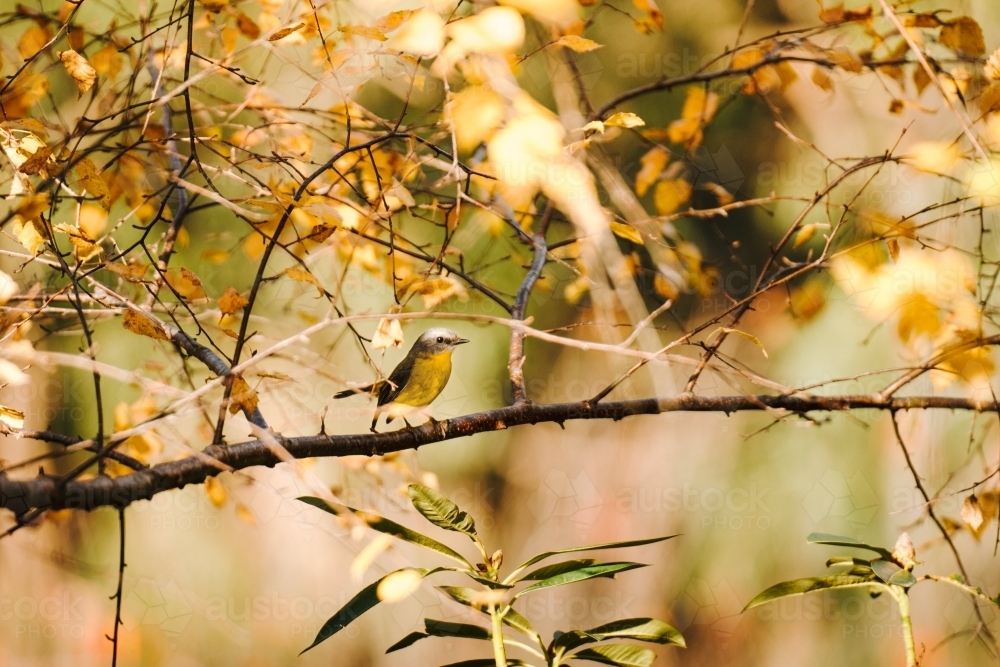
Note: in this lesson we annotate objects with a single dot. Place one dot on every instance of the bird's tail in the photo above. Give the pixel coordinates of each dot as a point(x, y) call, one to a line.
point(372, 388)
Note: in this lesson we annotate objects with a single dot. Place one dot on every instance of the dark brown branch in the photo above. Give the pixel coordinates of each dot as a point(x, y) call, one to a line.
point(515, 365)
point(51, 492)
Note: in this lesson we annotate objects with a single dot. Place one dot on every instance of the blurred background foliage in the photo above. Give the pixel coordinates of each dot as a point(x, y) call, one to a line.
point(237, 573)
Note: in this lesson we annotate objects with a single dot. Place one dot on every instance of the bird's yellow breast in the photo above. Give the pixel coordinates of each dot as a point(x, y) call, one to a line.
point(428, 378)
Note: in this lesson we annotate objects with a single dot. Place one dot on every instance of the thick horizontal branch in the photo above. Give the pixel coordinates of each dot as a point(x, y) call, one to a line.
point(50, 492)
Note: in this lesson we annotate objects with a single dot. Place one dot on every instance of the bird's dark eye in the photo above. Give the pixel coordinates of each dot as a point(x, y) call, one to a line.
point(440, 339)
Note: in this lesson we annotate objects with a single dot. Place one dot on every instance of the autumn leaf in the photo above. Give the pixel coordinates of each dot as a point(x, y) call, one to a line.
point(77, 67)
point(11, 417)
point(964, 36)
point(231, 301)
point(215, 491)
point(138, 323)
point(133, 271)
point(90, 179)
point(285, 32)
point(699, 109)
point(363, 31)
point(393, 20)
point(626, 232)
point(389, 333)
point(578, 44)
point(670, 195)
point(247, 26)
point(624, 119)
point(305, 277)
point(242, 397)
point(803, 236)
point(33, 40)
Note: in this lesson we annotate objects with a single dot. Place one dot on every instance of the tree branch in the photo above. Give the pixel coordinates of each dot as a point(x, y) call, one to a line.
point(52, 492)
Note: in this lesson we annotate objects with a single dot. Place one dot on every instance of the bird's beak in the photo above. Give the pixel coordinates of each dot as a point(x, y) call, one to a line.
point(461, 341)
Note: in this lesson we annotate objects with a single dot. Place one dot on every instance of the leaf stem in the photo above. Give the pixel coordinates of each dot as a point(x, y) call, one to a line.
point(903, 600)
point(499, 651)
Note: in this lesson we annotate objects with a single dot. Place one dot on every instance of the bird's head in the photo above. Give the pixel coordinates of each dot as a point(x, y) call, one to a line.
point(435, 341)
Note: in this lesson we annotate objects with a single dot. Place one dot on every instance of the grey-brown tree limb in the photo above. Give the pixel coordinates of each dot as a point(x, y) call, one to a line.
point(27, 497)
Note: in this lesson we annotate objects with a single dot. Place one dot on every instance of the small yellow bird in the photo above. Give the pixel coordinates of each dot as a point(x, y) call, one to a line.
point(418, 379)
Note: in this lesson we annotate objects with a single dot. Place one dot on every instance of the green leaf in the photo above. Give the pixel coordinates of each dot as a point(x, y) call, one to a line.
point(473, 598)
point(593, 547)
point(844, 560)
point(359, 604)
point(547, 571)
point(641, 629)
point(435, 628)
point(811, 584)
point(893, 574)
point(624, 655)
point(842, 541)
point(408, 640)
point(440, 511)
point(383, 525)
point(582, 574)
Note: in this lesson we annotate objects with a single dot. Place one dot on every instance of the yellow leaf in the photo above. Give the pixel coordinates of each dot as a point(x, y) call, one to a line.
point(132, 272)
point(138, 323)
point(32, 206)
point(216, 492)
point(285, 32)
point(750, 337)
point(670, 195)
point(393, 20)
point(626, 232)
point(593, 126)
point(421, 35)
point(992, 68)
point(77, 67)
point(231, 301)
point(805, 233)
point(578, 44)
point(305, 277)
point(244, 514)
point(33, 40)
point(475, 113)
point(11, 417)
point(107, 61)
point(439, 289)
point(84, 246)
point(90, 179)
point(625, 119)
point(363, 31)
point(242, 397)
point(935, 156)
point(93, 220)
point(186, 284)
point(964, 36)
point(398, 585)
point(388, 334)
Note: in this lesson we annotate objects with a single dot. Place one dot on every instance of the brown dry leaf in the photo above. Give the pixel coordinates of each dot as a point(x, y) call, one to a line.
point(989, 100)
point(33, 40)
point(832, 15)
point(921, 79)
point(305, 277)
point(893, 246)
point(671, 194)
point(242, 397)
point(247, 26)
point(133, 271)
point(231, 301)
point(138, 323)
point(896, 107)
point(37, 160)
point(89, 178)
point(77, 67)
point(653, 163)
point(722, 195)
point(244, 514)
point(964, 36)
point(389, 333)
point(366, 32)
point(285, 32)
point(214, 6)
point(215, 491)
point(972, 514)
point(578, 44)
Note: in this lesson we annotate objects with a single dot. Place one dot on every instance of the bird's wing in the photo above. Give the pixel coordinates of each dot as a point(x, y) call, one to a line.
point(374, 387)
point(397, 380)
